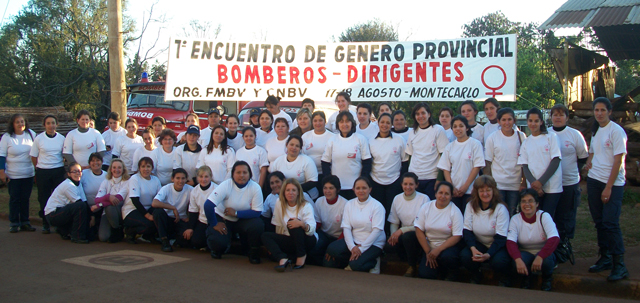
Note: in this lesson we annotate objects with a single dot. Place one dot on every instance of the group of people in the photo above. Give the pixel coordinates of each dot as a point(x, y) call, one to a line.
point(332, 191)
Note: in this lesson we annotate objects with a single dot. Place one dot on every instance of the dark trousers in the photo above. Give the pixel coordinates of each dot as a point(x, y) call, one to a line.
point(567, 209)
point(385, 194)
point(250, 229)
point(427, 187)
point(549, 204)
point(72, 219)
point(316, 255)
point(338, 253)
point(319, 185)
point(139, 223)
point(169, 228)
point(499, 262)
point(461, 202)
point(267, 224)
point(19, 194)
point(448, 260)
point(511, 198)
point(606, 216)
point(347, 194)
point(281, 246)
point(46, 181)
point(547, 264)
point(409, 246)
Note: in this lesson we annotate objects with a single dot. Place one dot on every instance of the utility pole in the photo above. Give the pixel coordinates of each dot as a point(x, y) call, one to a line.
point(116, 60)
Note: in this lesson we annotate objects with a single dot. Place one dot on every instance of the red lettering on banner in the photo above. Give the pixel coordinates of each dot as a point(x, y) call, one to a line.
point(352, 74)
point(281, 75)
point(434, 66)
point(446, 71)
point(222, 73)
point(395, 73)
point(236, 76)
point(323, 78)
point(373, 73)
point(253, 73)
point(294, 72)
point(267, 71)
point(407, 72)
point(308, 79)
point(421, 72)
point(460, 75)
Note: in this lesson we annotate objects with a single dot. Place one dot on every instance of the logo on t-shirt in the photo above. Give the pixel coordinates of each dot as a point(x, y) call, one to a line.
point(371, 218)
point(351, 155)
point(255, 161)
point(567, 143)
point(310, 146)
point(469, 155)
point(546, 147)
point(493, 225)
point(449, 224)
point(607, 143)
point(338, 218)
point(299, 172)
point(90, 146)
point(395, 150)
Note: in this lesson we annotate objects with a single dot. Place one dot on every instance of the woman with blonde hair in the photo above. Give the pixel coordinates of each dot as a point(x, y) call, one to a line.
point(295, 227)
point(113, 191)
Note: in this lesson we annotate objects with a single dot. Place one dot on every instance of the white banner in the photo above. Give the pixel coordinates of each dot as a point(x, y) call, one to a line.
point(440, 70)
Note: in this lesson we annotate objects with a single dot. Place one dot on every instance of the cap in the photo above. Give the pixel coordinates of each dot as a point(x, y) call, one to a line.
point(193, 129)
point(214, 111)
point(254, 111)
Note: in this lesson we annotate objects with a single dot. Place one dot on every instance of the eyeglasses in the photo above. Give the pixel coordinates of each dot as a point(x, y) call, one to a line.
point(75, 171)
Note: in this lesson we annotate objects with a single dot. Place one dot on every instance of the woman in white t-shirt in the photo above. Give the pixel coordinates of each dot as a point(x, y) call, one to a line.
point(46, 155)
point(389, 163)
point(461, 161)
point(366, 127)
point(253, 154)
point(605, 187)
point(265, 131)
point(83, 141)
point(66, 208)
point(303, 118)
point(400, 124)
point(91, 180)
point(170, 210)
point(125, 146)
point(295, 224)
point(363, 229)
point(163, 156)
point(234, 137)
point(136, 210)
point(149, 139)
point(329, 208)
point(347, 155)
point(501, 152)
point(315, 142)
point(540, 159)
point(469, 110)
point(276, 146)
point(491, 108)
point(297, 166)
point(196, 232)
point(403, 214)
point(439, 229)
point(275, 179)
point(218, 155)
point(343, 101)
point(16, 169)
point(486, 223)
point(444, 117)
point(272, 103)
point(425, 144)
point(113, 191)
point(574, 152)
point(158, 124)
point(191, 119)
point(187, 155)
point(531, 241)
point(111, 136)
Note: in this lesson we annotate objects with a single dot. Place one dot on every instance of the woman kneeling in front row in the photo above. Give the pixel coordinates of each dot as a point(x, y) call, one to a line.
point(67, 209)
point(295, 227)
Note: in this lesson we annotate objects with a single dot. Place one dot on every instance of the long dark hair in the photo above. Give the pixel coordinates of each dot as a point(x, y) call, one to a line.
point(224, 145)
point(349, 116)
point(415, 109)
point(596, 125)
point(480, 182)
point(268, 113)
point(536, 111)
point(464, 121)
point(11, 129)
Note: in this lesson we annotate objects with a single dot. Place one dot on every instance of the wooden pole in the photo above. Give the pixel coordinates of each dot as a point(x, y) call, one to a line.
point(567, 92)
point(116, 60)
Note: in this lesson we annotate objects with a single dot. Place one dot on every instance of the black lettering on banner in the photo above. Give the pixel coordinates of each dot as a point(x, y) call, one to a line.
point(471, 48)
point(398, 52)
point(431, 50)
point(207, 48)
point(252, 56)
point(257, 91)
point(241, 51)
point(219, 45)
point(499, 49)
point(480, 51)
point(179, 44)
point(443, 49)
point(309, 53)
point(321, 53)
point(507, 53)
point(289, 54)
point(220, 92)
point(277, 53)
point(339, 56)
point(418, 49)
point(228, 56)
point(374, 53)
point(209, 92)
point(363, 53)
point(195, 92)
point(195, 49)
point(385, 53)
point(351, 53)
point(454, 50)
point(266, 48)
point(490, 47)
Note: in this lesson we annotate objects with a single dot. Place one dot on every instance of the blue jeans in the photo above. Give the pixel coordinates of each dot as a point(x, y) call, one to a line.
point(339, 255)
point(499, 261)
point(19, 194)
point(448, 260)
point(316, 255)
point(511, 198)
point(606, 216)
point(547, 264)
point(566, 210)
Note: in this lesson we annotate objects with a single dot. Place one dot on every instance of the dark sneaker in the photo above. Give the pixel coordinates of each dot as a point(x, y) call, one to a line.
point(46, 231)
point(27, 227)
point(13, 229)
point(80, 241)
point(166, 245)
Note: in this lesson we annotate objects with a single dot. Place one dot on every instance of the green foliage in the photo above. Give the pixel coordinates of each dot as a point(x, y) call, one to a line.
point(373, 30)
point(158, 72)
point(627, 76)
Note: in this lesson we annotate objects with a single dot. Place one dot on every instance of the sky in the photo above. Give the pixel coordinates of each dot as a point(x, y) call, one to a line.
point(288, 21)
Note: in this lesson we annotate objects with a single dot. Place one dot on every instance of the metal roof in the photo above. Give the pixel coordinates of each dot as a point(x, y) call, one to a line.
point(594, 13)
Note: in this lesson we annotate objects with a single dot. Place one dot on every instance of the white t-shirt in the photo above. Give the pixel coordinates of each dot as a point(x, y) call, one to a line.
point(439, 224)
point(302, 169)
point(48, 151)
point(330, 215)
point(275, 148)
point(387, 154)
point(531, 237)
point(115, 186)
point(139, 154)
point(572, 147)
point(502, 152)
point(490, 128)
point(450, 135)
point(205, 137)
point(370, 132)
point(227, 194)
point(485, 224)
point(403, 211)
point(110, 137)
point(346, 156)
point(197, 199)
point(65, 194)
point(269, 204)
point(425, 146)
point(314, 146)
point(163, 164)
point(360, 218)
point(331, 122)
point(91, 184)
point(404, 134)
point(220, 164)
point(143, 189)
point(478, 133)
point(609, 141)
point(237, 142)
point(16, 149)
point(305, 215)
point(82, 145)
point(537, 152)
point(262, 137)
point(179, 199)
point(255, 157)
point(282, 114)
point(459, 158)
point(125, 147)
point(182, 157)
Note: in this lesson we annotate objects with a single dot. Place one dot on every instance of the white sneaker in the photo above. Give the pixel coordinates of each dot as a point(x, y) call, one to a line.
point(348, 268)
point(376, 269)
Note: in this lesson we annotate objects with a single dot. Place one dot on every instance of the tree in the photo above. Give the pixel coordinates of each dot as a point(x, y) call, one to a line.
point(373, 30)
point(158, 71)
point(490, 25)
point(202, 30)
point(627, 76)
point(140, 61)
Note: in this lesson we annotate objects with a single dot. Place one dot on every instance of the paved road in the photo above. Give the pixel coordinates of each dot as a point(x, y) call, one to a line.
point(33, 271)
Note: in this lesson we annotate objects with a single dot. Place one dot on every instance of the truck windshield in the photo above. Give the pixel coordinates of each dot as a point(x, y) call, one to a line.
point(153, 100)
